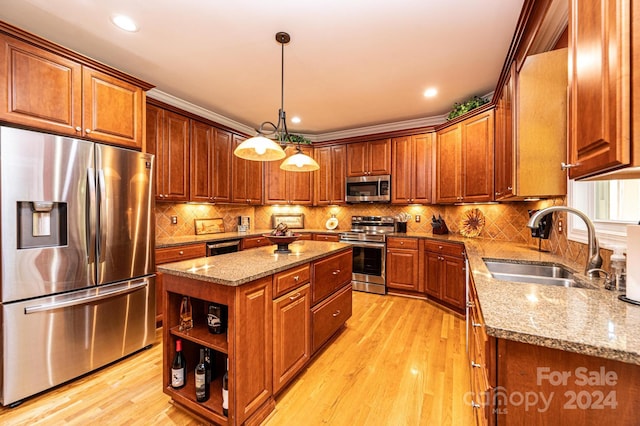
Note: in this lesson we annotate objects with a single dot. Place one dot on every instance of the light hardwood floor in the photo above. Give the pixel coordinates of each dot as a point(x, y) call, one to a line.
point(399, 361)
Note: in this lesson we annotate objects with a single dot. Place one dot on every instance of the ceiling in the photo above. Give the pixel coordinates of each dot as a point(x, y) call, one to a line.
point(350, 64)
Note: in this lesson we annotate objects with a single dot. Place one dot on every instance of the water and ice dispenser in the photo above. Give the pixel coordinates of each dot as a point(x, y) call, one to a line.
point(41, 224)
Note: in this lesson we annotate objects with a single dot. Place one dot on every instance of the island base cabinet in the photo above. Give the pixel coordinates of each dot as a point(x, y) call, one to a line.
point(327, 317)
point(539, 385)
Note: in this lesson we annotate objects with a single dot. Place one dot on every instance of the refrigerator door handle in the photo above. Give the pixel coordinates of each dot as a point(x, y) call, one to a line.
point(102, 221)
point(83, 300)
point(91, 222)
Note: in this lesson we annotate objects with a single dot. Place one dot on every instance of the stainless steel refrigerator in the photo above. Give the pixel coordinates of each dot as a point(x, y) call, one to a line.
point(78, 283)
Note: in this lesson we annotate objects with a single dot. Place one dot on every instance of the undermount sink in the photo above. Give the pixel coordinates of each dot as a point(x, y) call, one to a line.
point(532, 273)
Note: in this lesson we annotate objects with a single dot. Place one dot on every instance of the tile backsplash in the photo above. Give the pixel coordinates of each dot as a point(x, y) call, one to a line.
point(504, 221)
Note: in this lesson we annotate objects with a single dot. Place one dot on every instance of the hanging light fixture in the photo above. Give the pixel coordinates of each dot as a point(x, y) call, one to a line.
point(261, 148)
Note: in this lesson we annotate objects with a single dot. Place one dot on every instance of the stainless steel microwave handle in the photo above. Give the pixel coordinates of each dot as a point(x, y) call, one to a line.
point(225, 244)
point(83, 300)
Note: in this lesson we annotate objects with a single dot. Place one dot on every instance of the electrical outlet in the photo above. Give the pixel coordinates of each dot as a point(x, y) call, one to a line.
point(174, 220)
point(559, 226)
point(417, 218)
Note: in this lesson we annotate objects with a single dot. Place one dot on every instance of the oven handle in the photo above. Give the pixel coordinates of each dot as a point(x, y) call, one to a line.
point(365, 244)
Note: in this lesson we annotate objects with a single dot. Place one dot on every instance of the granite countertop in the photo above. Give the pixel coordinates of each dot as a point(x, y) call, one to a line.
point(234, 235)
point(234, 269)
point(590, 321)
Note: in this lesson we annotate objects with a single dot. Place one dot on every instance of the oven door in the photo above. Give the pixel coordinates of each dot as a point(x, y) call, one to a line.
point(368, 266)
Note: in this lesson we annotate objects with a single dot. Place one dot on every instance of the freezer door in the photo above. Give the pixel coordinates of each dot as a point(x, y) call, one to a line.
point(44, 213)
point(51, 340)
point(126, 229)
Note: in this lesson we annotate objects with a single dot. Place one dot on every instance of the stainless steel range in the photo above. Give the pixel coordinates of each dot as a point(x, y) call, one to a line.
point(368, 238)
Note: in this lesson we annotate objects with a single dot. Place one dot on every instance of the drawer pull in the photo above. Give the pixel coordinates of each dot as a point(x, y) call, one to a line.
point(294, 297)
point(296, 278)
point(180, 252)
point(475, 365)
point(401, 242)
point(336, 313)
point(439, 247)
point(470, 304)
point(475, 404)
point(475, 324)
point(336, 272)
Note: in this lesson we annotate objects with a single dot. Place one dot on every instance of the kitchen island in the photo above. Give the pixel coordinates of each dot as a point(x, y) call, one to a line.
point(281, 310)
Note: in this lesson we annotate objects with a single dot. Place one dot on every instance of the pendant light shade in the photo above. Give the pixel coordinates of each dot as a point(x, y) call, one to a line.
point(259, 148)
point(299, 162)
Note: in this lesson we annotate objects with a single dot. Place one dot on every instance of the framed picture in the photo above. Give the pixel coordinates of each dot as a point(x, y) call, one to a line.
point(292, 220)
point(209, 226)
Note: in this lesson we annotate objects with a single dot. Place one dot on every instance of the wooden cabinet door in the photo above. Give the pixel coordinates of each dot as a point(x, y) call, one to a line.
point(432, 275)
point(174, 160)
point(403, 170)
point(330, 274)
point(246, 178)
point(357, 159)
point(379, 157)
point(275, 189)
point(291, 335)
point(39, 88)
point(448, 165)
point(154, 136)
point(300, 184)
point(504, 119)
point(112, 109)
point(221, 166)
point(452, 281)
point(477, 158)
point(422, 188)
point(599, 117)
point(323, 176)
point(201, 165)
point(253, 347)
point(402, 269)
point(339, 174)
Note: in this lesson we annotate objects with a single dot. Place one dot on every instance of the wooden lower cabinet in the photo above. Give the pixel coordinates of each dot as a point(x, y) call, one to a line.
point(252, 242)
point(402, 265)
point(445, 273)
point(331, 274)
point(291, 335)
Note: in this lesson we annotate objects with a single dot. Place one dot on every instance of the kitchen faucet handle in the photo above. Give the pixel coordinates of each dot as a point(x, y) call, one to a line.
point(609, 282)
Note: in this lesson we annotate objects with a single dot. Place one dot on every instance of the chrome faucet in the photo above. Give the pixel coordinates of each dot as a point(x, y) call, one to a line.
point(595, 260)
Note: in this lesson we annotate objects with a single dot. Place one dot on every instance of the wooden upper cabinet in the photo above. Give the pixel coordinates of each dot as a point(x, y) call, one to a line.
point(464, 160)
point(39, 88)
point(113, 110)
point(52, 92)
point(369, 158)
point(284, 187)
point(168, 140)
point(599, 73)
point(504, 138)
point(221, 163)
point(330, 178)
point(246, 177)
point(412, 169)
point(201, 142)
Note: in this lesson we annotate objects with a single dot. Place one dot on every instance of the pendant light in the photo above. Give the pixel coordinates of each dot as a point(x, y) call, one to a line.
point(261, 148)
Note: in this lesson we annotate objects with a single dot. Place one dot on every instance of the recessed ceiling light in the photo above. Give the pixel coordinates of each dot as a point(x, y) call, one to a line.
point(295, 120)
point(124, 23)
point(431, 92)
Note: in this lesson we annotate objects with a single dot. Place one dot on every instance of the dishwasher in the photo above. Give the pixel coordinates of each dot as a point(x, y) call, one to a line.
point(222, 247)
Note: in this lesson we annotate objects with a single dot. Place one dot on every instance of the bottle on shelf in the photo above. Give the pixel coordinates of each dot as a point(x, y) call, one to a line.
point(178, 368)
point(202, 387)
point(217, 318)
point(186, 316)
point(207, 363)
point(225, 391)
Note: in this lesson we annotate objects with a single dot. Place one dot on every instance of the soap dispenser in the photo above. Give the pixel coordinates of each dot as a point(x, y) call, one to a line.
point(618, 269)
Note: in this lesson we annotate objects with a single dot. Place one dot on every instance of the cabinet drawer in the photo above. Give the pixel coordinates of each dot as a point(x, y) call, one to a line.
point(330, 274)
point(403, 243)
point(292, 278)
point(328, 317)
point(444, 248)
point(326, 237)
point(252, 242)
point(175, 254)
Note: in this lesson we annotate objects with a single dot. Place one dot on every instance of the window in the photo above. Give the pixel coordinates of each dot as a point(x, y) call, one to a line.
point(611, 205)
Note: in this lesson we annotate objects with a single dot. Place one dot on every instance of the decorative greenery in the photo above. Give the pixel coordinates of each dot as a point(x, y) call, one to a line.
point(299, 139)
point(463, 108)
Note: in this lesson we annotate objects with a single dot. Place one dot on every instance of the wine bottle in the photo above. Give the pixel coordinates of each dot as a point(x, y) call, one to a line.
point(207, 363)
point(225, 391)
point(202, 387)
point(186, 316)
point(214, 319)
point(178, 368)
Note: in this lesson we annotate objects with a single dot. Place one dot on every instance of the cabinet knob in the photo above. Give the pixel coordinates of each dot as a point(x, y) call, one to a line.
point(565, 166)
point(87, 130)
point(475, 404)
point(470, 304)
point(401, 242)
point(336, 272)
point(180, 252)
point(439, 247)
point(78, 129)
point(296, 278)
point(475, 324)
point(258, 241)
point(336, 313)
point(475, 365)
point(509, 188)
point(498, 194)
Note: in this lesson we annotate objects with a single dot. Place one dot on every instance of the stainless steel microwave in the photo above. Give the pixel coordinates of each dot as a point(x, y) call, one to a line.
point(369, 189)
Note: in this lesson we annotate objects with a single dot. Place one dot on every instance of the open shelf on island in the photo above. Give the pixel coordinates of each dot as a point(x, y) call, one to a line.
point(200, 334)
